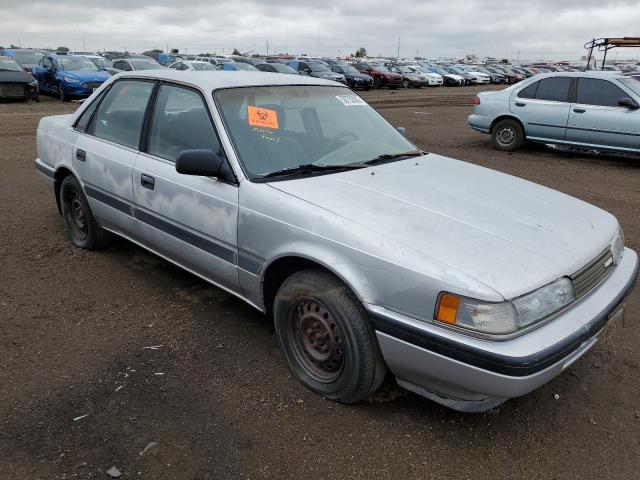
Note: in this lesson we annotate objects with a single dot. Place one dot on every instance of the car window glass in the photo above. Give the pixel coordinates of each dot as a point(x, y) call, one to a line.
point(83, 121)
point(592, 91)
point(529, 91)
point(119, 117)
point(554, 89)
point(180, 122)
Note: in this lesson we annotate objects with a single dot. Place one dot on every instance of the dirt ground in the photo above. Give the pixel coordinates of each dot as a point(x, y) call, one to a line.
point(214, 399)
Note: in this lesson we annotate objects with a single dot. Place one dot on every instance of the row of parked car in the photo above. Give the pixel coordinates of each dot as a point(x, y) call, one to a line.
point(77, 74)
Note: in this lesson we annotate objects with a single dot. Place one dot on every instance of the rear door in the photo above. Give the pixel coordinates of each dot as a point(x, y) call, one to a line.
point(543, 107)
point(188, 218)
point(597, 119)
point(106, 148)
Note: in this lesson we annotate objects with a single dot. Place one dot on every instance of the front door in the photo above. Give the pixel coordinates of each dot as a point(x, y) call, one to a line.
point(191, 219)
point(597, 119)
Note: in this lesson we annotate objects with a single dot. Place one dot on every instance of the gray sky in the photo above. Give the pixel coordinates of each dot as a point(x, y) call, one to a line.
point(554, 29)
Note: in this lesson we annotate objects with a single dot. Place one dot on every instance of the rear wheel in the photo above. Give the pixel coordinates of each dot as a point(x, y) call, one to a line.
point(507, 135)
point(377, 83)
point(78, 220)
point(405, 83)
point(326, 337)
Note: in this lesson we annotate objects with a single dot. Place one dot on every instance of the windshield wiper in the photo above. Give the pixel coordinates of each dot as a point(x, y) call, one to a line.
point(312, 168)
point(394, 156)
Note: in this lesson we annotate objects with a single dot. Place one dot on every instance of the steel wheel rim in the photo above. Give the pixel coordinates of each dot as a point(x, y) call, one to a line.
point(506, 136)
point(316, 340)
point(76, 216)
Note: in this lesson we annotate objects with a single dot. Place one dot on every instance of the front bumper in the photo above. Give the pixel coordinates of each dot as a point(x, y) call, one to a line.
point(81, 90)
point(17, 91)
point(473, 374)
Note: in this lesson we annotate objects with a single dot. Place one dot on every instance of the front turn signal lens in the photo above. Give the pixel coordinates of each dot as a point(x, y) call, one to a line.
point(448, 308)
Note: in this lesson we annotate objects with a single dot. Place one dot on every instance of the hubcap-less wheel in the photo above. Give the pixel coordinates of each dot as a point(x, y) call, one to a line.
point(316, 340)
point(506, 136)
point(76, 215)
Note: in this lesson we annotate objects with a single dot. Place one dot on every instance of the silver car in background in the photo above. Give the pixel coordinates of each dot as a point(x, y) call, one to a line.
point(596, 110)
point(470, 286)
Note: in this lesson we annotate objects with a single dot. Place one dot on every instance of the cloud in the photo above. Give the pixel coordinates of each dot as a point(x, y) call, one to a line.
point(536, 29)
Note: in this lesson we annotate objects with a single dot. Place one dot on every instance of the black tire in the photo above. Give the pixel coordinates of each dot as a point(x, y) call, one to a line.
point(377, 83)
point(507, 135)
point(405, 83)
point(78, 220)
point(62, 93)
point(326, 337)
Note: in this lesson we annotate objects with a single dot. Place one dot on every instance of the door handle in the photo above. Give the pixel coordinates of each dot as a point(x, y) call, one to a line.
point(520, 104)
point(81, 155)
point(579, 110)
point(147, 181)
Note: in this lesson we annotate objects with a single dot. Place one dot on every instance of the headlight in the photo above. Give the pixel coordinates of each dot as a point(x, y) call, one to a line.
point(34, 83)
point(505, 317)
point(71, 80)
point(617, 245)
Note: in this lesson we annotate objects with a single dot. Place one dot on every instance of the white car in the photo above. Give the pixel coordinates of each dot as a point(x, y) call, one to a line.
point(433, 79)
point(193, 66)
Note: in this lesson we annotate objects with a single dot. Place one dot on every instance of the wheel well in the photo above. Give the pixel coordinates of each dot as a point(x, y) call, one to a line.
point(279, 271)
point(506, 117)
point(58, 177)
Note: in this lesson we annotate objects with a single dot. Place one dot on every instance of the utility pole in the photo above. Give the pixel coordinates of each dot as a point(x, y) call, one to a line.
point(267, 48)
point(398, 56)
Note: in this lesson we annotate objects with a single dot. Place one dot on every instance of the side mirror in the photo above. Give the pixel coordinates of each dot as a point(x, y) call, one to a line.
point(204, 163)
point(402, 130)
point(628, 103)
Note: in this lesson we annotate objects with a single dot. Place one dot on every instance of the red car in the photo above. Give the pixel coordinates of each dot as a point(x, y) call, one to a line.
point(381, 76)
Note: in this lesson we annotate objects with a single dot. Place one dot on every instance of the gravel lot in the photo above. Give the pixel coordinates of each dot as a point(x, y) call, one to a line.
point(217, 397)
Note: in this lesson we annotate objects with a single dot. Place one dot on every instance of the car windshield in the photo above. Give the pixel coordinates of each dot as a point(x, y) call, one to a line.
point(244, 66)
point(99, 61)
point(379, 68)
point(632, 84)
point(318, 67)
point(144, 64)
point(284, 127)
point(201, 67)
point(8, 65)
point(76, 63)
point(404, 69)
point(282, 68)
point(348, 69)
point(439, 70)
point(28, 58)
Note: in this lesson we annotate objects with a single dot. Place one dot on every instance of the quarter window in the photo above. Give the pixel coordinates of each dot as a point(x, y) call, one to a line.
point(529, 91)
point(555, 89)
point(180, 122)
point(592, 91)
point(85, 118)
point(120, 115)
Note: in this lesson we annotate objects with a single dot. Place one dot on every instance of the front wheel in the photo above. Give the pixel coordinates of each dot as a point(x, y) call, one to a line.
point(326, 337)
point(81, 226)
point(377, 83)
point(507, 135)
point(405, 83)
point(62, 93)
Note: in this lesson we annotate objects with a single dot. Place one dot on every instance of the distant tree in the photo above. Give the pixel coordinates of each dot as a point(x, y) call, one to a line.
point(13, 46)
point(156, 50)
point(236, 52)
point(62, 49)
point(361, 52)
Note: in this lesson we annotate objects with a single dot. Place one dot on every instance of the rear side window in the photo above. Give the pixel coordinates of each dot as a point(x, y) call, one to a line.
point(592, 91)
point(530, 91)
point(120, 115)
point(555, 89)
point(180, 122)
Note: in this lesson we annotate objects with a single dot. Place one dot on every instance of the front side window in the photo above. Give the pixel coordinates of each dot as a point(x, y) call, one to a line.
point(555, 89)
point(120, 115)
point(180, 122)
point(279, 127)
point(593, 91)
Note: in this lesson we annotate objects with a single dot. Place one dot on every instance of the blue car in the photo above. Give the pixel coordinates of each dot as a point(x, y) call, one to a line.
point(235, 66)
point(68, 76)
point(592, 109)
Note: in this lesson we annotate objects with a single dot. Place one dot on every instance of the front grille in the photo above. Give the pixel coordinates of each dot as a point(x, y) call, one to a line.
point(591, 275)
point(9, 90)
point(91, 84)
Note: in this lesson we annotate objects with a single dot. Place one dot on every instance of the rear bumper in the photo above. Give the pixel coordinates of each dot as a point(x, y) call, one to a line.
point(481, 123)
point(470, 374)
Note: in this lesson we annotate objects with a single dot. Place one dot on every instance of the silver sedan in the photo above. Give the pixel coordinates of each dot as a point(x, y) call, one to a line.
point(468, 285)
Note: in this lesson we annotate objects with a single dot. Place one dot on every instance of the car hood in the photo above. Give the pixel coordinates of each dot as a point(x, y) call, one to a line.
point(86, 75)
point(15, 77)
point(510, 234)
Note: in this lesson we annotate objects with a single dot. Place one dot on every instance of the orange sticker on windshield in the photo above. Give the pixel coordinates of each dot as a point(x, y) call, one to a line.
point(262, 117)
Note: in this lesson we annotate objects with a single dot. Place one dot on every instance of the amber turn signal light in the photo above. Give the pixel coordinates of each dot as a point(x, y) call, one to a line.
point(447, 308)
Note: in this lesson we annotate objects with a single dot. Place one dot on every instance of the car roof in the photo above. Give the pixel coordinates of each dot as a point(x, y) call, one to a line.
point(214, 80)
